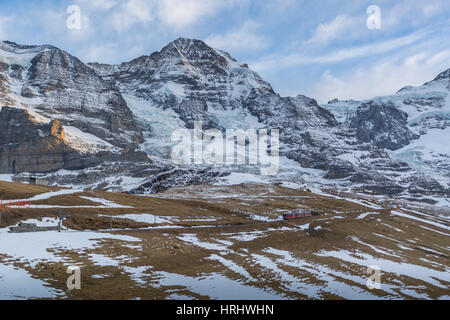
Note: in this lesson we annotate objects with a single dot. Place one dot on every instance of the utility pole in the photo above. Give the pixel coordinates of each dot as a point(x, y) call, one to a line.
point(59, 221)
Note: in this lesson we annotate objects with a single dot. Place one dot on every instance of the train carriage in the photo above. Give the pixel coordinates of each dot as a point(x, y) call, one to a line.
point(297, 214)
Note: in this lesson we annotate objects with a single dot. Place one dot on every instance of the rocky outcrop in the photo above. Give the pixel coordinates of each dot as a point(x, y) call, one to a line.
point(382, 124)
point(443, 77)
point(28, 146)
point(340, 170)
point(178, 177)
point(78, 97)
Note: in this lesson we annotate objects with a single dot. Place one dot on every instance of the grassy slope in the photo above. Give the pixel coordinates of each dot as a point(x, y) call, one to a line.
point(381, 235)
point(12, 191)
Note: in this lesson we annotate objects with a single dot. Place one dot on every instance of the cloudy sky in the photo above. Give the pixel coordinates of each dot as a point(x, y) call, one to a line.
point(323, 49)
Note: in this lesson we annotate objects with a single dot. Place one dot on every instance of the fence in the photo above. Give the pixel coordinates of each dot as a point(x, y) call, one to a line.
point(16, 204)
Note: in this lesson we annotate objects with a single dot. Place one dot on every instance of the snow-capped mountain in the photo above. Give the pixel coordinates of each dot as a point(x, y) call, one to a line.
point(411, 125)
point(113, 123)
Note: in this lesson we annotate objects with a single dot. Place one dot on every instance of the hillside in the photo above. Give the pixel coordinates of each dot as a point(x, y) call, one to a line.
point(186, 243)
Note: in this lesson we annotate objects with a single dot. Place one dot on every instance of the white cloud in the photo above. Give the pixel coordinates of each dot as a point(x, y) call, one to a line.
point(97, 4)
point(4, 23)
point(411, 12)
point(131, 12)
point(173, 13)
point(104, 52)
point(242, 39)
point(341, 26)
point(278, 62)
point(140, 9)
point(182, 13)
point(108, 53)
point(384, 77)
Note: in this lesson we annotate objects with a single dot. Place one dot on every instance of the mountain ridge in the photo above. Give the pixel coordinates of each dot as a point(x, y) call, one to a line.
point(129, 111)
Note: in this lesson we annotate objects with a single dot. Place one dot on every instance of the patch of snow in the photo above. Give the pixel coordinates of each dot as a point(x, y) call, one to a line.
point(6, 177)
point(145, 218)
point(34, 247)
point(439, 225)
point(86, 142)
point(362, 216)
point(105, 203)
point(232, 266)
point(18, 284)
point(405, 269)
point(239, 178)
point(215, 286)
point(192, 238)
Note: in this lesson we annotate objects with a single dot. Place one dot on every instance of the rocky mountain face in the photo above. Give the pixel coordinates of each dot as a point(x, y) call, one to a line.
point(30, 146)
point(411, 127)
point(189, 77)
point(113, 123)
point(199, 83)
point(52, 84)
point(382, 124)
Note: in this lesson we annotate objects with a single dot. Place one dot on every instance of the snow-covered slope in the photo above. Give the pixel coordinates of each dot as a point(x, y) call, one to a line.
point(419, 139)
point(125, 114)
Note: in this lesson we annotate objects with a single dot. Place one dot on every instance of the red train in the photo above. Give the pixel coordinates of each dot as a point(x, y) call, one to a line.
point(297, 214)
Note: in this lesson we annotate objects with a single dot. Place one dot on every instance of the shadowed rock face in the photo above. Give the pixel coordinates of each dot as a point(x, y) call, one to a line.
point(79, 97)
point(444, 77)
point(382, 124)
point(30, 146)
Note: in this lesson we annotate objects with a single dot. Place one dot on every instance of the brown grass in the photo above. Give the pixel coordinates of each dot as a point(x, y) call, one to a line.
point(162, 250)
point(12, 191)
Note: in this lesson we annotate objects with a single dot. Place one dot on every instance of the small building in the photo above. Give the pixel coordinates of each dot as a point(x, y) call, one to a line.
point(38, 181)
point(31, 227)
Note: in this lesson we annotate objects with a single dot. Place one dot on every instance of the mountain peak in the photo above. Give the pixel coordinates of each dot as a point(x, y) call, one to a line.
point(443, 75)
point(188, 41)
point(196, 56)
point(186, 45)
point(191, 48)
point(15, 47)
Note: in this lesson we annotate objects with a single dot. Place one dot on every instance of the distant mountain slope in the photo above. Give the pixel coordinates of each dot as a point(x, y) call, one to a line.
point(118, 115)
point(419, 138)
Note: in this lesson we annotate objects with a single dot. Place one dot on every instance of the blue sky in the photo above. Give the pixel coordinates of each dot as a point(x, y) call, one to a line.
point(322, 49)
